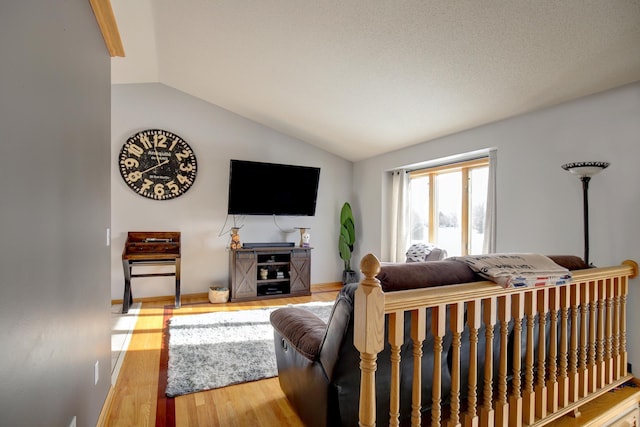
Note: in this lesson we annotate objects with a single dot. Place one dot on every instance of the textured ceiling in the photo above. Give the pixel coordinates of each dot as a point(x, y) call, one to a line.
point(363, 77)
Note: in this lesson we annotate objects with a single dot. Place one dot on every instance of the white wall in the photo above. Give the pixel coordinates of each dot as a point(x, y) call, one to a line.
point(54, 211)
point(539, 204)
point(216, 136)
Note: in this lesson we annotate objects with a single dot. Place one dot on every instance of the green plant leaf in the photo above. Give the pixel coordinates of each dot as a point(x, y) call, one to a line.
point(350, 227)
point(344, 234)
point(347, 235)
point(346, 213)
point(345, 252)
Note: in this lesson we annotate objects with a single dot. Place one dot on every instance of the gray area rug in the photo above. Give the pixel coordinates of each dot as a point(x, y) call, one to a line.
point(213, 350)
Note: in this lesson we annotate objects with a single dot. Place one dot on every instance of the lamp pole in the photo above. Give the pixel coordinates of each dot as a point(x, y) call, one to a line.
point(585, 207)
point(585, 170)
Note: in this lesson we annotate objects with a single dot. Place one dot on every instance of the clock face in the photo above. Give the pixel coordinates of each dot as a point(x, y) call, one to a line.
point(157, 164)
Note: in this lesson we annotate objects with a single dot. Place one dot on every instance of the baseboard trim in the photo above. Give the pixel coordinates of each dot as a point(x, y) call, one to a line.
point(315, 288)
point(106, 407)
point(164, 298)
point(326, 287)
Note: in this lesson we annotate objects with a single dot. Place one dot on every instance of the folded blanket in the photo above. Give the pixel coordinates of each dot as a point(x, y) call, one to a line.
point(517, 270)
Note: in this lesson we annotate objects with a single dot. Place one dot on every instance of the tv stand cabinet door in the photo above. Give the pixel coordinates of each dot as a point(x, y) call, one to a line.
point(243, 279)
point(300, 276)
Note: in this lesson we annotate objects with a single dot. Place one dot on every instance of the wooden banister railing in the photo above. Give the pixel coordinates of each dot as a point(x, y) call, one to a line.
point(575, 336)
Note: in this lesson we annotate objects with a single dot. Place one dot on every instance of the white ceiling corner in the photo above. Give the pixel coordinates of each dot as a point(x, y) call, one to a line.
point(136, 23)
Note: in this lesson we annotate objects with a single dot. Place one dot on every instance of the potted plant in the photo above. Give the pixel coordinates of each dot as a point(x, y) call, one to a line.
point(345, 243)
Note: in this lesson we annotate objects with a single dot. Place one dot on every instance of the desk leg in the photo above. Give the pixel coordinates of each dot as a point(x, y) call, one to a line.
point(177, 304)
point(127, 300)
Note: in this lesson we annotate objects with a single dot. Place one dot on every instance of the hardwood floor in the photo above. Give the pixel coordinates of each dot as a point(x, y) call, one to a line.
point(137, 399)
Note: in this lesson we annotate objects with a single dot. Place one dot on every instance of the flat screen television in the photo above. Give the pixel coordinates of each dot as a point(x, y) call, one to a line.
point(258, 188)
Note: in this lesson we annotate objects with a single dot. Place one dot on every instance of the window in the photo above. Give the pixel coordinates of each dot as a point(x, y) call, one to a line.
point(448, 204)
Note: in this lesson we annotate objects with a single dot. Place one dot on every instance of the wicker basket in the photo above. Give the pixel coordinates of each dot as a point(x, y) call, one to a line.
point(218, 295)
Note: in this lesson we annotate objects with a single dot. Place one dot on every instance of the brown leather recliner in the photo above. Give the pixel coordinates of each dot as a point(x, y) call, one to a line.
point(318, 365)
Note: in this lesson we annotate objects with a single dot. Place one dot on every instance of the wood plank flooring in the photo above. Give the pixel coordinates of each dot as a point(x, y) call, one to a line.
point(138, 398)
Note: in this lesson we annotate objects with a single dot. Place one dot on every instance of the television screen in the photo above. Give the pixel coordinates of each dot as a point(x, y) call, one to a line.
point(257, 188)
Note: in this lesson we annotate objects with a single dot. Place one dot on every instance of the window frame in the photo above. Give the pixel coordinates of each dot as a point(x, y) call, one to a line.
point(464, 167)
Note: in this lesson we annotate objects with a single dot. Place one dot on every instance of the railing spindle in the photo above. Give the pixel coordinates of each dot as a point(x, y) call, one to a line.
point(608, 333)
point(552, 376)
point(529, 396)
point(474, 313)
point(600, 340)
point(502, 405)
point(584, 311)
point(541, 385)
point(616, 329)
point(623, 324)
point(457, 326)
point(563, 375)
point(487, 414)
point(515, 400)
point(396, 338)
point(438, 315)
point(418, 334)
point(593, 317)
point(574, 375)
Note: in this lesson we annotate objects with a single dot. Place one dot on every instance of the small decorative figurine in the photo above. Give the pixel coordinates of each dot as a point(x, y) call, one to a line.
point(235, 239)
point(304, 237)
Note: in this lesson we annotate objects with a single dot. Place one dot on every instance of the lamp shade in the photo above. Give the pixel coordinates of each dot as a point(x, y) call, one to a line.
point(583, 169)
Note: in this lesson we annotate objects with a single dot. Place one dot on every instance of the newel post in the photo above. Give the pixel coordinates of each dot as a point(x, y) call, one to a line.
point(368, 335)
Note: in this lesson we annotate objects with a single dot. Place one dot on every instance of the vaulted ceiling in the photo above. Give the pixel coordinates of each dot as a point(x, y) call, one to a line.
point(363, 77)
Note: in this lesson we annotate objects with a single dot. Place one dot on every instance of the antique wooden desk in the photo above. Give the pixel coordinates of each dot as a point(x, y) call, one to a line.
point(150, 248)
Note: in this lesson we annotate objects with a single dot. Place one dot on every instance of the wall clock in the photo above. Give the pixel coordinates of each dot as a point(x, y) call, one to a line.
point(157, 164)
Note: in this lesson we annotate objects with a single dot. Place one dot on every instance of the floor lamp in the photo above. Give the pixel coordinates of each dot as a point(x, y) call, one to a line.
point(584, 171)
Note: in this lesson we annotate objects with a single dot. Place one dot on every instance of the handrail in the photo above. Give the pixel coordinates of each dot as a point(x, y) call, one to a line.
point(450, 294)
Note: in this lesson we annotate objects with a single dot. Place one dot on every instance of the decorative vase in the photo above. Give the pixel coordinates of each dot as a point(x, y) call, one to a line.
point(264, 273)
point(218, 294)
point(235, 239)
point(349, 276)
point(304, 237)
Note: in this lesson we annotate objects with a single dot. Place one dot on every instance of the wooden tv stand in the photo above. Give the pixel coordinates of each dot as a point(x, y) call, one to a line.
point(288, 272)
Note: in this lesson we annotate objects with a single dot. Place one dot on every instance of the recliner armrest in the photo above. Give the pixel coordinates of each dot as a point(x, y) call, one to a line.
point(303, 330)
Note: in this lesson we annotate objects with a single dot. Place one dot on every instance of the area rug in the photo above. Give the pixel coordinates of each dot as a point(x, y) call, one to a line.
point(213, 350)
